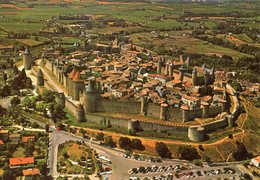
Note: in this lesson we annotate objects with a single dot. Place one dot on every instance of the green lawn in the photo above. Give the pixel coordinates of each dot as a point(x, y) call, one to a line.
point(19, 152)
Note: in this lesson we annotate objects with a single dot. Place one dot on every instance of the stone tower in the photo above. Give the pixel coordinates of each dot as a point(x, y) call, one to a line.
point(194, 77)
point(182, 70)
point(89, 99)
point(159, 66)
point(171, 66)
point(80, 115)
point(69, 81)
point(42, 59)
point(206, 78)
point(40, 78)
point(77, 86)
point(27, 59)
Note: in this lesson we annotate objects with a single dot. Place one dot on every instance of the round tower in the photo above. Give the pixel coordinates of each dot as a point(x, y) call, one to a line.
point(166, 69)
point(89, 99)
point(206, 78)
point(163, 111)
point(69, 81)
point(42, 59)
point(78, 85)
point(196, 133)
point(143, 105)
point(27, 59)
point(182, 70)
point(205, 109)
point(185, 114)
point(159, 66)
point(194, 77)
point(60, 99)
point(40, 78)
point(80, 115)
point(171, 69)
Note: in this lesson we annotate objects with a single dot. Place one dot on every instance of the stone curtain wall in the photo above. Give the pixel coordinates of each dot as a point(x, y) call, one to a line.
point(153, 110)
point(214, 111)
point(71, 107)
point(174, 114)
point(213, 126)
point(114, 106)
point(48, 65)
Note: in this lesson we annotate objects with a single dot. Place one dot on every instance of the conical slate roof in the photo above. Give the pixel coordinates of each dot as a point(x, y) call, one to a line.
point(27, 50)
point(80, 107)
point(40, 73)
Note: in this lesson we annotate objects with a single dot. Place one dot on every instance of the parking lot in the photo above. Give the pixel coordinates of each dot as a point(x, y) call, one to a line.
point(182, 172)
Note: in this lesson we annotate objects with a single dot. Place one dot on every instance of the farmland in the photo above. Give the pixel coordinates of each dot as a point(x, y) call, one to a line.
point(32, 17)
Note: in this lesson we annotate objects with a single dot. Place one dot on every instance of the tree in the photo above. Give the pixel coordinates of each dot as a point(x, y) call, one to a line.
point(47, 127)
point(29, 149)
point(197, 162)
point(43, 168)
point(108, 140)
point(15, 101)
point(125, 143)
point(82, 131)
point(26, 102)
point(241, 152)
point(57, 112)
point(162, 150)
point(99, 136)
point(5, 77)
point(137, 144)
point(188, 153)
point(5, 91)
point(8, 174)
point(35, 125)
point(41, 107)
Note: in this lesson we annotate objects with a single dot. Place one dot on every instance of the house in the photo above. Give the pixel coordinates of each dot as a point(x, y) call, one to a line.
point(31, 172)
point(26, 139)
point(4, 134)
point(190, 100)
point(256, 161)
point(14, 137)
point(1, 142)
point(21, 161)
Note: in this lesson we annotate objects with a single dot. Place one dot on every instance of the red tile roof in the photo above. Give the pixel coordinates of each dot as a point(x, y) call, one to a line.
point(21, 161)
point(27, 138)
point(30, 172)
point(72, 74)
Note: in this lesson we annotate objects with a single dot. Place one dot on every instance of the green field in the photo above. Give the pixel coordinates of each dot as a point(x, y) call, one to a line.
point(34, 16)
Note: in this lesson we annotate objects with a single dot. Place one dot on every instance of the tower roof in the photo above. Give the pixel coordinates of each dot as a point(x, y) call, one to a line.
point(27, 50)
point(77, 77)
point(182, 68)
point(40, 73)
point(80, 107)
point(72, 73)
